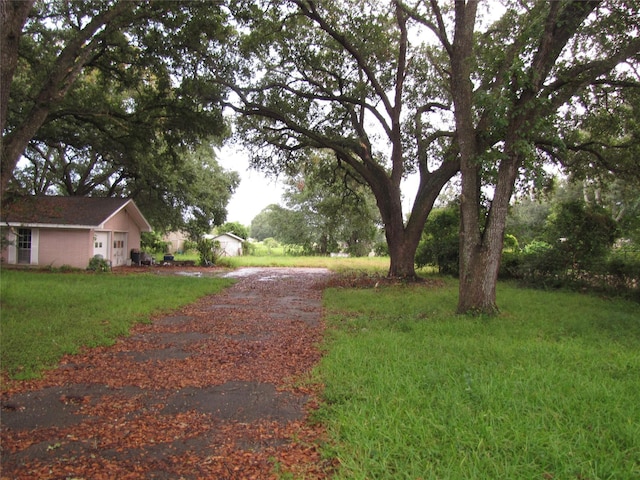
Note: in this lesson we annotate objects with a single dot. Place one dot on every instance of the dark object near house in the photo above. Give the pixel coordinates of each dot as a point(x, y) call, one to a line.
point(146, 259)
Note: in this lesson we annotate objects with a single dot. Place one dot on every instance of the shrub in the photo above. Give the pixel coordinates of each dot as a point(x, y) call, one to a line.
point(152, 242)
point(381, 249)
point(584, 234)
point(511, 265)
point(209, 251)
point(441, 241)
point(511, 243)
point(190, 245)
point(98, 264)
point(622, 273)
point(359, 249)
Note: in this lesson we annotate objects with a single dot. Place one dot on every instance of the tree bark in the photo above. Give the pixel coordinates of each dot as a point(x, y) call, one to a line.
point(477, 248)
point(402, 239)
point(481, 253)
point(481, 241)
point(14, 15)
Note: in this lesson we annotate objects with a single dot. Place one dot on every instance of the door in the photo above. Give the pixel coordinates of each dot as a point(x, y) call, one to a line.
point(119, 249)
point(101, 244)
point(24, 245)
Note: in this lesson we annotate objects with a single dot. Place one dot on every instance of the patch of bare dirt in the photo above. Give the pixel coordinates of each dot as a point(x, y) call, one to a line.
point(211, 391)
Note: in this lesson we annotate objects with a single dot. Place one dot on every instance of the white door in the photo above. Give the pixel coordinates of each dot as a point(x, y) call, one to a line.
point(119, 249)
point(101, 244)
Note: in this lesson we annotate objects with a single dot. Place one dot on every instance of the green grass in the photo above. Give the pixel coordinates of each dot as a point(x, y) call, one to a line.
point(46, 315)
point(548, 389)
point(369, 264)
point(375, 265)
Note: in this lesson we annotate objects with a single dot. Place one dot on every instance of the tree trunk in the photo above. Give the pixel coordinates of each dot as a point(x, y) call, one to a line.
point(477, 294)
point(401, 242)
point(14, 15)
point(480, 240)
point(402, 239)
point(402, 253)
point(481, 252)
point(477, 291)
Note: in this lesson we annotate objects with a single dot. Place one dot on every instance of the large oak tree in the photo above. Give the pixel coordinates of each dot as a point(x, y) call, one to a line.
point(509, 85)
point(346, 77)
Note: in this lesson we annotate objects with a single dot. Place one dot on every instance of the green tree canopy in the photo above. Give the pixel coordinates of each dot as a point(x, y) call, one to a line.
point(440, 244)
point(581, 233)
point(234, 227)
point(282, 224)
point(335, 210)
point(264, 224)
point(114, 97)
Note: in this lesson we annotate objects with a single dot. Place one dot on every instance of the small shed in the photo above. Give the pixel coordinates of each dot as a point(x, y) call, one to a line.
point(56, 231)
point(230, 244)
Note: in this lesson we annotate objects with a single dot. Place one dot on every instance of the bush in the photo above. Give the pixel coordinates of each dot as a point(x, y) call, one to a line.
point(152, 242)
point(98, 264)
point(543, 265)
point(359, 249)
point(381, 249)
point(511, 265)
point(440, 242)
point(511, 243)
point(190, 245)
point(209, 251)
point(583, 234)
point(623, 273)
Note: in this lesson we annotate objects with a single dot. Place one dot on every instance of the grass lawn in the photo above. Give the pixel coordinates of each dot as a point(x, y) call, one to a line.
point(547, 390)
point(46, 315)
point(377, 265)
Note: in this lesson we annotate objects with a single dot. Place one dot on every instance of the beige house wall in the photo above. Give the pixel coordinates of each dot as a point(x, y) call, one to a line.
point(123, 222)
point(58, 247)
point(11, 238)
point(176, 240)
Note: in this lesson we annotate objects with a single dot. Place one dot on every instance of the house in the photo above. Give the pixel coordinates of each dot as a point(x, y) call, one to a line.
point(56, 231)
point(175, 241)
point(230, 244)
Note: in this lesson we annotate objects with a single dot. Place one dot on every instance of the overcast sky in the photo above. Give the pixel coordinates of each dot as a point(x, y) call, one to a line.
point(255, 192)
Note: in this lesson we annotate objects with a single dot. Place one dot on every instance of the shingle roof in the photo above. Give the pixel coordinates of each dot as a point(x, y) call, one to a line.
point(53, 210)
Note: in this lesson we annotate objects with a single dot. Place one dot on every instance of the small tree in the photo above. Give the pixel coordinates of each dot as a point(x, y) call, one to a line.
point(152, 242)
point(333, 208)
point(262, 225)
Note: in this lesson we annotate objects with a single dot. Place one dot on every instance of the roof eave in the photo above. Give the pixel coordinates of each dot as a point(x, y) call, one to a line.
point(49, 225)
